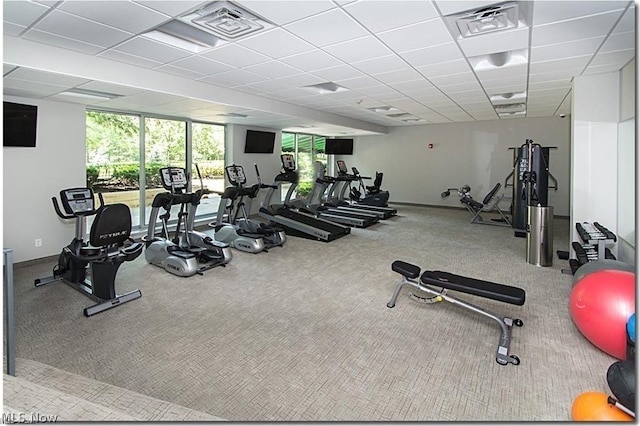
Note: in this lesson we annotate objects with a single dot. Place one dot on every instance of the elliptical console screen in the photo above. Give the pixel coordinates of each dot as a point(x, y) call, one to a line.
point(174, 178)
point(288, 162)
point(342, 167)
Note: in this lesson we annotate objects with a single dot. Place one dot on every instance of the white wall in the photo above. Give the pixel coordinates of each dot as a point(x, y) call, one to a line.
point(31, 176)
point(474, 153)
point(626, 165)
point(596, 104)
point(269, 164)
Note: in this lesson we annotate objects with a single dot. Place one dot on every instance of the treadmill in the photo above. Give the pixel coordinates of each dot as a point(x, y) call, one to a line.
point(295, 222)
point(315, 204)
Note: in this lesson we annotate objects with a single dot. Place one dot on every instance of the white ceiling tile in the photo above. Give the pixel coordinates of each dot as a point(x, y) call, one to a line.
point(430, 55)
point(620, 58)
point(359, 49)
point(380, 65)
point(549, 78)
point(318, 29)
point(125, 15)
point(500, 41)
point(12, 29)
point(171, 7)
point(236, 55)
point(276, 43)
point(550, 52)
point(64, 42)
point(628, 21)
point(504, 85)
point(416, 36)
point(410, 86)
point(565, 73)
point(385, 15)
point(234, 78)
point(273, 69)
point(202, 65)
point(312, 60)
point(43, 89)
point(619, 41)
point(358, 82)
point(469, 96)
point(545, 12)
point(47, 77)
point(342, 72)
point(376, 91)
point(445, 68)
point(180, 72)
point(300, 80)
point(282, 12)
point(449, 86)
point(22, 13)
point(448, 7)
point(74, 27)
point(399, 76)
point(117, 89)
point(559, 64)
point(553, 84)
point(600, 69)
point(129, 59)
point(268, 86)
point(576, 29)
point(150, 49)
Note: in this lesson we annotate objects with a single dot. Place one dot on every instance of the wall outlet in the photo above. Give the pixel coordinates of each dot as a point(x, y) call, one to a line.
point(38, 242)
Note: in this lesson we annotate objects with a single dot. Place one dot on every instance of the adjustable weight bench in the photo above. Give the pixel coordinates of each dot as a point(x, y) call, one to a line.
point(490, 203)
point(447, 281)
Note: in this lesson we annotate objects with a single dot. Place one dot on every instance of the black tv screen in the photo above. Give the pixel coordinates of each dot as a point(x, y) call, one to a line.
point(258, 142)
point(20, 124)
point(339, 146)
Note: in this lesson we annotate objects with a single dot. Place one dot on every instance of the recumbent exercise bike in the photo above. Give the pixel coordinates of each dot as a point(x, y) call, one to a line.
point(91, 268)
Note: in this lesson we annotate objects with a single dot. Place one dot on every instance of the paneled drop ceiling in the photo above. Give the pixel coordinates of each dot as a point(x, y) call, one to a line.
point(323, 67)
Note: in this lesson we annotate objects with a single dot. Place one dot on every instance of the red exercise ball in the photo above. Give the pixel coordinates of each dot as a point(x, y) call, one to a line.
point(600, 305)
point(593, 406)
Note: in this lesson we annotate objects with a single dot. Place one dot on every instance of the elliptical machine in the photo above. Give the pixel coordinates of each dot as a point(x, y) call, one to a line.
point(189, 252)
point(272, 234)
point(230, 233)
point(91, 268)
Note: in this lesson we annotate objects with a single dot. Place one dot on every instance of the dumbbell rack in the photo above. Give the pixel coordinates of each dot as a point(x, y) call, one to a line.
point(596, 235)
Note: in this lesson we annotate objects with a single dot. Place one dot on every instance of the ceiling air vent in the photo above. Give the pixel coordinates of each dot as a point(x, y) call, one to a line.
point(497, 17)
point(226, 20)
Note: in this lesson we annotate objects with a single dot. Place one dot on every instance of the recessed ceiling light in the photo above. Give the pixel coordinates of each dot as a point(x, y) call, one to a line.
point(183, 36)
point(499, 59)
point(507, 97)
point(400, 115)
point(328, 87)
point(89, 94)
point(383, 109)
point(232, 114)
point(519, 106)
point(512, 114)
point(413, 120)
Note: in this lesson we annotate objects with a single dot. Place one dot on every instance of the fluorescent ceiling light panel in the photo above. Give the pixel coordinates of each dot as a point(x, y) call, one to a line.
point(499, 59)
point(183, 36)
point(325, 88)
point(400, 116)
point(413, 120)
point(488, 20)
point(226, 20)
point(89, 94)
point(233, 114)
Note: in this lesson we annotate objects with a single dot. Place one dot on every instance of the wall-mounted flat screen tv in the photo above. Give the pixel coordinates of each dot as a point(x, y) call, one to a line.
point(339, 146)
point(258, 142)
point(19, 125)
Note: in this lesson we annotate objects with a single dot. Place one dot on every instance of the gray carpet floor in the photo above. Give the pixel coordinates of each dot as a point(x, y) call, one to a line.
point(303, 332)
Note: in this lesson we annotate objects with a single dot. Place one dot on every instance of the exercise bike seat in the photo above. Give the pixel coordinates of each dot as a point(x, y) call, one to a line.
point(486, 289)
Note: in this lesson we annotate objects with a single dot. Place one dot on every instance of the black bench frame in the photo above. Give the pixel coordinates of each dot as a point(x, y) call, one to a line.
point(447, 281)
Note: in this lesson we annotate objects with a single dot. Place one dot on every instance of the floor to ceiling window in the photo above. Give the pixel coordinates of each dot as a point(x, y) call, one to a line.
point(117, 145)
point(306, 149)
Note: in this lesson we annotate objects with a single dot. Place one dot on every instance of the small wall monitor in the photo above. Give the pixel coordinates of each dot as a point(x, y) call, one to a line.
point(339, 146)
point(20, 123)
point(258, 142)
